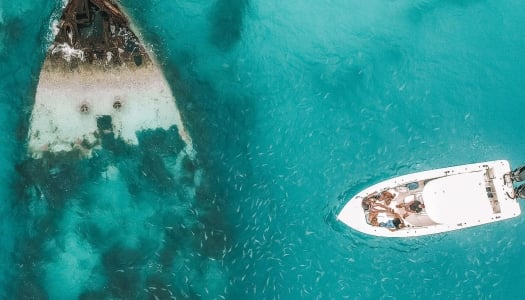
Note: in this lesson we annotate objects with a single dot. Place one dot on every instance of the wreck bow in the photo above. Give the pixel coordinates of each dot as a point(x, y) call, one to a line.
point(98, 79)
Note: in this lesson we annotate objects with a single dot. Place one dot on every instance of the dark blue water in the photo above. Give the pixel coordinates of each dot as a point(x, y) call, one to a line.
point(292, 108)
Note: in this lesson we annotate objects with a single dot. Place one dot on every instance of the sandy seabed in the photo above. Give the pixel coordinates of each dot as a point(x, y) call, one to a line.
point(68, 103)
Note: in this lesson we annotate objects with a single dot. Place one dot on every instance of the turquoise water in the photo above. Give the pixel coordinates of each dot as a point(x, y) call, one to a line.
point(292, 107)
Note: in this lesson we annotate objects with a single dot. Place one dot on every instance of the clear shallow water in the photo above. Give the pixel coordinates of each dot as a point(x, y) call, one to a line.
point(292, 107)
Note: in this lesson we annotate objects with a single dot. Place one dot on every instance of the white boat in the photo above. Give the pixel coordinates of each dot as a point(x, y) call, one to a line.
point(437, 201)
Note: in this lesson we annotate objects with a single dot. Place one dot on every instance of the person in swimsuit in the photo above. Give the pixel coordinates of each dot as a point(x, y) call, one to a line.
point(414, 206)
point(372, 219)
point(366, 203)
point(393, 224)
point(378, 201)
point(386, 197)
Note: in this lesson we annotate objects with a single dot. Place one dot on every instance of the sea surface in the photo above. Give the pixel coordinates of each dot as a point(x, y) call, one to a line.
point(293, 106)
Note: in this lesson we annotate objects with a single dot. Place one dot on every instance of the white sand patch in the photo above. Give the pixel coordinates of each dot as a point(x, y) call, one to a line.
point(136, 99)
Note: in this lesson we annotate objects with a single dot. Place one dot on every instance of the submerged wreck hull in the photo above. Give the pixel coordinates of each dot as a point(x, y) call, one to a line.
point(453, 198)
point(113, 200)
point(98, 79)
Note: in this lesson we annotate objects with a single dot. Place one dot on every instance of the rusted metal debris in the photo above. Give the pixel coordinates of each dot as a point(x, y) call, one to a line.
point(96, 31)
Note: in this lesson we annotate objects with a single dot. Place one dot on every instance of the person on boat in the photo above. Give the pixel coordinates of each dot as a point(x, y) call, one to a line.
point(382, 202)
point(372, 205)
point(393, 224)
point(414, 206)
point(371, 202)
point(371, 218)
point(366, 203)
point(386, 197)
point(373, 215)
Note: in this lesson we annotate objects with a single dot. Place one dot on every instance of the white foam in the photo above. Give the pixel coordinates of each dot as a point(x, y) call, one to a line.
point(67, 52)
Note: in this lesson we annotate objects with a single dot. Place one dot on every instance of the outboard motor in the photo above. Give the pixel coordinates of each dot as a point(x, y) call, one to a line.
point(518, 174)
point(520, 191)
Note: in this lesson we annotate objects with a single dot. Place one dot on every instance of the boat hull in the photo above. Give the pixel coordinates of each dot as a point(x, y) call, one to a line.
point(467, 209)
